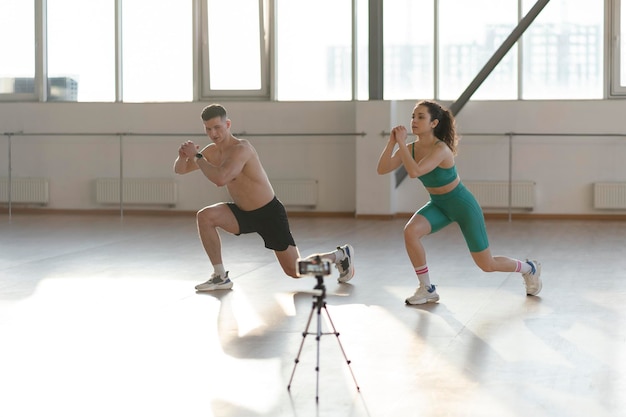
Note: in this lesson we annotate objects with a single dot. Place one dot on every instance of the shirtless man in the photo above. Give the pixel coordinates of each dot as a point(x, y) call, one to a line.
point(234, 163)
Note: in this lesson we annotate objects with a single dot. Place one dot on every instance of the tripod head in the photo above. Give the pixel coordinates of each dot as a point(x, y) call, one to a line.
point(320, 287)
point(315, 266)
point(319, 268)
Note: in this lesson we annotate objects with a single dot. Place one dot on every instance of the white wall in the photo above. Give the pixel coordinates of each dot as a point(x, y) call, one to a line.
point(73, 162)
point(564, 168)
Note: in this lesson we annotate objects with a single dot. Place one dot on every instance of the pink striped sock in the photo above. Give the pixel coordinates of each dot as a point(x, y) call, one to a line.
point(523, 267)
point(422, 270)
point(422, 276)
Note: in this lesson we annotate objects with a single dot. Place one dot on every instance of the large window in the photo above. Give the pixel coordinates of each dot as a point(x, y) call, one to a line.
point(408, 44)
point(157, 50)
point(17, 49)
point(81, 50)
point(310, 42)
point(185, 50)
point(466, 44)
point(563, 51)
point(314, 50)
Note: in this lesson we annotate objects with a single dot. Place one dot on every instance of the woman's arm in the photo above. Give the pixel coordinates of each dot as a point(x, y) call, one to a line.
point(388, 160)
point(418, 168)
point(429, 162)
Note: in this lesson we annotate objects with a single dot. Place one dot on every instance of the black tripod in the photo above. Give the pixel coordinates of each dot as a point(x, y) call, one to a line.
point(318, 305)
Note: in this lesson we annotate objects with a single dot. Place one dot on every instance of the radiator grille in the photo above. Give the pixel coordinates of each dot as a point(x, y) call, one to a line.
point(296, 192)
point(144, 191)
point(495, 194)
point(25, 190)
point(609, 195)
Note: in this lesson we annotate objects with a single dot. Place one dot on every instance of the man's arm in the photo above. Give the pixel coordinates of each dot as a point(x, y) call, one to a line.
point(229, 169)
point(183, 163)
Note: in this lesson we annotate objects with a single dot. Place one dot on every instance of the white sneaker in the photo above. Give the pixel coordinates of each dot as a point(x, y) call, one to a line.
point(346, 266)
point(423, 295)
point(531, 279)
point(216, 282)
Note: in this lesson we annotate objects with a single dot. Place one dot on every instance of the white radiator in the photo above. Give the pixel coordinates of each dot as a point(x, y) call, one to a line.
point(25, 190)
point(609, 195)
point(495, 194)
point(296, 192)
point(145, 191)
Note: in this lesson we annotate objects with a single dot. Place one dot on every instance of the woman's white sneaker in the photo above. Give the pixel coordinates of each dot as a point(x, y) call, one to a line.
point(423, 295)
point(532, 279)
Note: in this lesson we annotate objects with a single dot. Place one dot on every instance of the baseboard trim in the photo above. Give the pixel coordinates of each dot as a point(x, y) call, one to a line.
point(315, 214)
point(155, 212)
point(539, 216)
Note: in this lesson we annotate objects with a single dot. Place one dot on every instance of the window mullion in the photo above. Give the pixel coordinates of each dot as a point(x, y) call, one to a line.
point(41, 61)
point(614, 48)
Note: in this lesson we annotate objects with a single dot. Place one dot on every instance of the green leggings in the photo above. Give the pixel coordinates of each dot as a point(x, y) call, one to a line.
point(460, 206)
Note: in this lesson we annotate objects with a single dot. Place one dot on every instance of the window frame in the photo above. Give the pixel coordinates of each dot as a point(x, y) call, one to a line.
point(202, 38)
point(614, 51)
point(39, 76)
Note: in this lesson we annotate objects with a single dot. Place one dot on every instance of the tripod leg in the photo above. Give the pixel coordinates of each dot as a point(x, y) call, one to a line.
point(317, 367)
point(304, 333)
point(336, 333)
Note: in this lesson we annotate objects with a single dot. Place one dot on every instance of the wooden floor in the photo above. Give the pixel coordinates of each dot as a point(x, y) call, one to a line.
point(99, 317)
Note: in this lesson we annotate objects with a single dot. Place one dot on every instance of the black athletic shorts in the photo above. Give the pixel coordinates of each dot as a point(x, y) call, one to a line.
point(269, 221)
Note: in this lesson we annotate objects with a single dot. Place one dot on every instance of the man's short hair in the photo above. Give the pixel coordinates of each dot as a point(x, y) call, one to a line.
point(213, 110)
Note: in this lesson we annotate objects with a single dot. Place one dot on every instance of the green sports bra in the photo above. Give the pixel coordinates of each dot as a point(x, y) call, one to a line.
point(438, 177)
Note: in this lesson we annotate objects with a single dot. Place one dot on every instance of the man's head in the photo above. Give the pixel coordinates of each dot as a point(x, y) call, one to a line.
point(216, 123)
point(213, 110)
